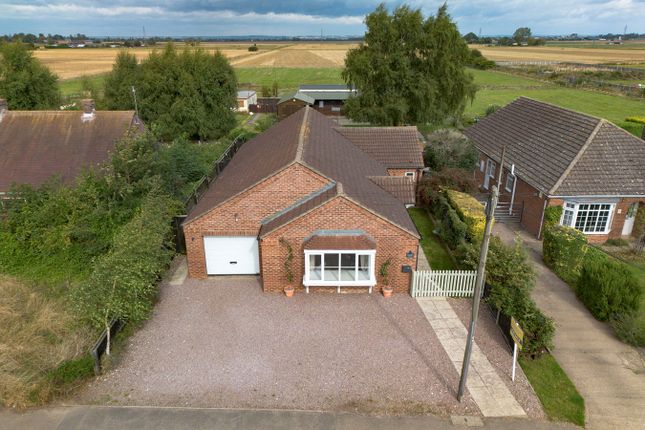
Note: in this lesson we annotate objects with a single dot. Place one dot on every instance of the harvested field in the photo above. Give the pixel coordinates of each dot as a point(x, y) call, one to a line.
point(557, 53)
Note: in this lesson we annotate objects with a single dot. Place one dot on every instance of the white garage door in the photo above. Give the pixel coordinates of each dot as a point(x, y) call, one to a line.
point(231, 255)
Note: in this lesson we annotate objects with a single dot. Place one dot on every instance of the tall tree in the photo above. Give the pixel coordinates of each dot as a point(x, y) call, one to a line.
point(522, 35)
point(119, 82)
point(24, 81)
point(408, 70)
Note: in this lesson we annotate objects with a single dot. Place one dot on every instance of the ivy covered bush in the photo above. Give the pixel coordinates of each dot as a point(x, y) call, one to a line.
point(564, 250)
point(608, 289)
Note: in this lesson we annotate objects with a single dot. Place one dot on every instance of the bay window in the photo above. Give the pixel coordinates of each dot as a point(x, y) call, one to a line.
point(339, 268)
point(590, 218)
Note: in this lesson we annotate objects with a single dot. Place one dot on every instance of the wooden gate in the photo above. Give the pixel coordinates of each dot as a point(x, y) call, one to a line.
point(443, 283)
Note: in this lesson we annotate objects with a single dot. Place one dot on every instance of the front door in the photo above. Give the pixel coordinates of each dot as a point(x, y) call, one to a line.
point(628, 226)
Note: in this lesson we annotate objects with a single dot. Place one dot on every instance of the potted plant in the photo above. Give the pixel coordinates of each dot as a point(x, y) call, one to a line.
point(384, 273)
point(288, 269)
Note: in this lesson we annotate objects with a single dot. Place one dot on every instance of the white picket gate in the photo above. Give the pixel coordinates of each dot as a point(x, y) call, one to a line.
point(443, 283)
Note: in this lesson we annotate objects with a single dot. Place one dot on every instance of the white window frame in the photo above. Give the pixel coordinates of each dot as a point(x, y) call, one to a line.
point(412, 175)
point(572, 209)
point(321, 103)
point(509, 187)
point(307, 282)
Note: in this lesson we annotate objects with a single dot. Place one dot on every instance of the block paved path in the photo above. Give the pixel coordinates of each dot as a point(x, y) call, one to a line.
point(609, 374)
point(484, 384)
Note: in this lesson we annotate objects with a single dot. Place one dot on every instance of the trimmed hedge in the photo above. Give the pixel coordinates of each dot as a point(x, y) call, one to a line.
point(471, 213)
point(451, 229)
point(608, 289)
point(564, 250)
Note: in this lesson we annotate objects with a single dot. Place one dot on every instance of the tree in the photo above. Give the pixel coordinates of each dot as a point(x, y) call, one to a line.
point(471, 38)
point(478, 61)
point(449, 149)
point(522, 35)
point(24, 81)
point(408, 70)
point(119, 82)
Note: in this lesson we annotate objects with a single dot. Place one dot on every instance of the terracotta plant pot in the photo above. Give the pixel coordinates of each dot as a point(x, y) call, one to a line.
point(289, 291)
point(387, 291)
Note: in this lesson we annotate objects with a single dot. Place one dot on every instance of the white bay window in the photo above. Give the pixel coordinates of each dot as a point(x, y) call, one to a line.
point(339, 268)
point(590, 218)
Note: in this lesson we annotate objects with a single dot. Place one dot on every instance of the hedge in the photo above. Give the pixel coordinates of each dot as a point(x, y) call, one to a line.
point(564, 250)
point(471, 213)
point(452, 230)
point(552, 215)
point(608, 289)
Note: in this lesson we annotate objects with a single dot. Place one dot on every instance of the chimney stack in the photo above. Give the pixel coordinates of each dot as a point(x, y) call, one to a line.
point(3, 107)
point(89, 109)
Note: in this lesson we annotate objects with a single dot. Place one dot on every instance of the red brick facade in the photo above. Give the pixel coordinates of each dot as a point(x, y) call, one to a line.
point(339, 213)
point(251, 207)
point(533, 204)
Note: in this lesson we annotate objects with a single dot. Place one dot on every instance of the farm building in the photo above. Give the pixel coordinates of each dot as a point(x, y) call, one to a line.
point(555, 156)
point(327, 99)
point(37, 145)
point(246, 98)
point(308, 201)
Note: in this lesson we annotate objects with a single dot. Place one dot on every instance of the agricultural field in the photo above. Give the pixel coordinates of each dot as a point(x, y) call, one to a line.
point(566, 53)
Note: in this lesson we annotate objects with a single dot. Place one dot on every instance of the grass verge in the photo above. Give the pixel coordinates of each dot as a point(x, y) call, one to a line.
point(559, 397)
point(434, 249)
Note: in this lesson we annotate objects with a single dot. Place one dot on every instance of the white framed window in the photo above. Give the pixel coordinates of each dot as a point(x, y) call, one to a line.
point(339, 268)
point(490, 168)
point(589, 218)
point(321, 103)
point(481, 165)
point(510, 182)
point(410, 175)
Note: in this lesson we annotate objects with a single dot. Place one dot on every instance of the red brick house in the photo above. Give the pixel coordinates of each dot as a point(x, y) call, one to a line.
point(555, 156)
point(37, 145)
point(303, 187)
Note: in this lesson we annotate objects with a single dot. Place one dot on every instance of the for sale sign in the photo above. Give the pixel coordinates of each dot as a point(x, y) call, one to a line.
point(517, 333)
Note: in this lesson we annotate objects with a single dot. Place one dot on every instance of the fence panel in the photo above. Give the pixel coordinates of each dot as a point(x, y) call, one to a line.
point(443, 283)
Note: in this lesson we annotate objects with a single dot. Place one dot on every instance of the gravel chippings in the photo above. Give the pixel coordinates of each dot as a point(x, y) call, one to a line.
point(222, 342)
point(491, 342)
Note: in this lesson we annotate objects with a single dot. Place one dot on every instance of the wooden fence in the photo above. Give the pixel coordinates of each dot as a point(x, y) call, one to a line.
point(443, 283)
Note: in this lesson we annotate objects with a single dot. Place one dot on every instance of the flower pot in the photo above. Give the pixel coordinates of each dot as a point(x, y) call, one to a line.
point(387, 291)
point(289, 291)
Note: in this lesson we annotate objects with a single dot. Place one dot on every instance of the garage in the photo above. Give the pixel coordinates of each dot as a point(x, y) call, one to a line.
point(231, 255)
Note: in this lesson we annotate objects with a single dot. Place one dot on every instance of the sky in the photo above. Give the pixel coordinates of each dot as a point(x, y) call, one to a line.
point(308, 17)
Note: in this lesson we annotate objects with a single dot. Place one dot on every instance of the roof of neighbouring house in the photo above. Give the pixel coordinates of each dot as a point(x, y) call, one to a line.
point(378, 142)
point(36, 145)
point(401, 187)
point(245, 94)
point(562, 152)
point(310, 138)
point(325, 87)
point(297, 96)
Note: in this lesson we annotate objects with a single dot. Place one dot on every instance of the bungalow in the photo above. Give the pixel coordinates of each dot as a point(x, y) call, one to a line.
point(555, 156)
point(36, 145)
point(246, 98)
point(313, 200)
point(327, 99)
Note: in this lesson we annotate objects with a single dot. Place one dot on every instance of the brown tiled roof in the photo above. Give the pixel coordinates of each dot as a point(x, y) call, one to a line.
point(301, 207)
point(563, 152)
point(401, 187)
point(36, 145)
point(259, 158)
point(395, 147)
point(340, 240)
point(306, 137)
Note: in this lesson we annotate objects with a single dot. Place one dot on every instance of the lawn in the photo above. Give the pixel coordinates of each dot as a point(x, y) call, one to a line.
point(490, 78)
point(434, 249)
point(560, 399)
point(287, 77)
point(74, 86)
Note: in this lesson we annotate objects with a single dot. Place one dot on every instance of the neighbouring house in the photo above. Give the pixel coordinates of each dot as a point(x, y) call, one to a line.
point(246, 98)
point(327, 99)
point(38, 145)
point(308, 189)
point(555, 156)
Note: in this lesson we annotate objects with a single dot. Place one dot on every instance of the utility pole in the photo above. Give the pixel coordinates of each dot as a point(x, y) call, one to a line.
point(479, 281)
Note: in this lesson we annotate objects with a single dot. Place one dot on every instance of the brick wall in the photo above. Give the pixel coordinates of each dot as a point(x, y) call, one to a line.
point(337, 214)
point(255, 204)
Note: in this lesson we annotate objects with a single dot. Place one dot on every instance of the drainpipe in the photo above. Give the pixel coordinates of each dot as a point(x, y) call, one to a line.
point(546, 200)
point(510, 208)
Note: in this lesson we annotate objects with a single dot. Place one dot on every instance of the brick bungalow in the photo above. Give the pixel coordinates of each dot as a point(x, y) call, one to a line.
point(555, 156)
point(37, 145)
point(320, 191)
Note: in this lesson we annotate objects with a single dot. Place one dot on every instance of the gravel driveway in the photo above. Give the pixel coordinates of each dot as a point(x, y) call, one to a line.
point(222, 342)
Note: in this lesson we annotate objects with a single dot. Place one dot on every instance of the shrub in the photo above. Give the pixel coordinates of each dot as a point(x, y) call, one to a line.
point(471, 213)
point(253, 48)
point(451, 178)
point(636, 119)
point(608, 289)
point(491, 109)
point(478, 61)
point(639, 222)
point(449, 148)
point(72, 370)
point(630, 328)
point(452, 230)
point(564, 250)
point(552, 215)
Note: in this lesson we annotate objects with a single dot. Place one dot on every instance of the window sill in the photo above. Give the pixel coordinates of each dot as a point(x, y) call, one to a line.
point(307, 283)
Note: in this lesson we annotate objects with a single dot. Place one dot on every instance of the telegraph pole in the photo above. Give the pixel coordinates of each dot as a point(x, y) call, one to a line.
point(479, 281)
